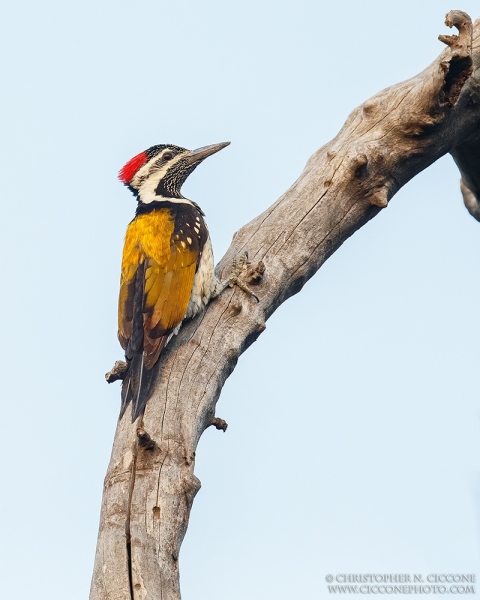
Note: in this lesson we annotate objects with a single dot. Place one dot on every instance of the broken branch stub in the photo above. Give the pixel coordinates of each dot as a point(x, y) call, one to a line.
point(471, 200)
point(383, 144)
point(117, 372)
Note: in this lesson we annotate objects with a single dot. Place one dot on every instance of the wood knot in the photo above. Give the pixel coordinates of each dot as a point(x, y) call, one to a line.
point(235, 308)
point(219, 424)
point(369, 107)
point(191, 485)
point(261, 326)
point(331, 154)
point(118, 371)
point(379, 199)
point(144, 439)
point(255, 273)
point(360, 165)
point(156, 512)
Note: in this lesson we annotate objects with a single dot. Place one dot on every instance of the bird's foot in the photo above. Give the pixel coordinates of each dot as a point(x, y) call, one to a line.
point(241, 266)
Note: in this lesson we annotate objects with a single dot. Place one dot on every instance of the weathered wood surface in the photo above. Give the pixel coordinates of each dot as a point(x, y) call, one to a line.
point(150, 484)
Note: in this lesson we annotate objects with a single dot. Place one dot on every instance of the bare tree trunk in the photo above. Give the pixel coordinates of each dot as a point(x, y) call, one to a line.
point(150, 484)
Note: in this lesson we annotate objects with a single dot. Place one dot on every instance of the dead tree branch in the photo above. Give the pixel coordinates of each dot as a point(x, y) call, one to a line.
point(150, 484)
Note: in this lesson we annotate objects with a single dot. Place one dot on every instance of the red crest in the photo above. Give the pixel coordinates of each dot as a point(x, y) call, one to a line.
point(127, 173)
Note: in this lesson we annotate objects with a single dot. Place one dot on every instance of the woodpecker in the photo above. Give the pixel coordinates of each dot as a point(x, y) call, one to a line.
point(167, 264)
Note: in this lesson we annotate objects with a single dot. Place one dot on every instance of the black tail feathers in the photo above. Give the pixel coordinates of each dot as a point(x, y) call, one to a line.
point(136, 386)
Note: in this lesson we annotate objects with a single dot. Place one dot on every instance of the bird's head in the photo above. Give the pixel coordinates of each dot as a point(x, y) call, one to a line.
point(157, 174)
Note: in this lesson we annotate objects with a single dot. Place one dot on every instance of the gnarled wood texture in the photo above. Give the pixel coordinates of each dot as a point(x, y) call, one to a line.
point(150, 483)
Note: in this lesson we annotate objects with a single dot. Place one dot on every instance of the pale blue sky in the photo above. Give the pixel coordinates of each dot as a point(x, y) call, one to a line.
point(353, 441)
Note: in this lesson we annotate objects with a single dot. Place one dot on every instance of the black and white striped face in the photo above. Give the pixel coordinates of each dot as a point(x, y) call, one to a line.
point(159, 173)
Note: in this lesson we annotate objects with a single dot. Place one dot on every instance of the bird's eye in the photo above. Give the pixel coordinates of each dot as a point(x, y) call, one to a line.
point(167, 156)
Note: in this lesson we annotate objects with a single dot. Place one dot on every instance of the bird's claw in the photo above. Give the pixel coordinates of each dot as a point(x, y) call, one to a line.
point(238, 266)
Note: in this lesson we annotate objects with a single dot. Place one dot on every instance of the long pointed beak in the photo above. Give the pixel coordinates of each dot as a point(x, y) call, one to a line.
point(196, 156)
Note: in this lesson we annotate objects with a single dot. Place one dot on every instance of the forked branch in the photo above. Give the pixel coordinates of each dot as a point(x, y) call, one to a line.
point(150, 485)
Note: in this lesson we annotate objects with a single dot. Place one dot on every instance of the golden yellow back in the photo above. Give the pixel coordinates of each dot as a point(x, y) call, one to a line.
point(158, 268)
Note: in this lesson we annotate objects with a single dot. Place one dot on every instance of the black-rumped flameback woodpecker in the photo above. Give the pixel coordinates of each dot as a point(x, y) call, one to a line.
point(167, 264)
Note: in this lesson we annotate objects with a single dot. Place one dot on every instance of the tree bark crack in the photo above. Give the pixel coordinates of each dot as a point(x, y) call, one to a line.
point(206, 349)
point(291, 280)
point(128, 536)
point(298, 225)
